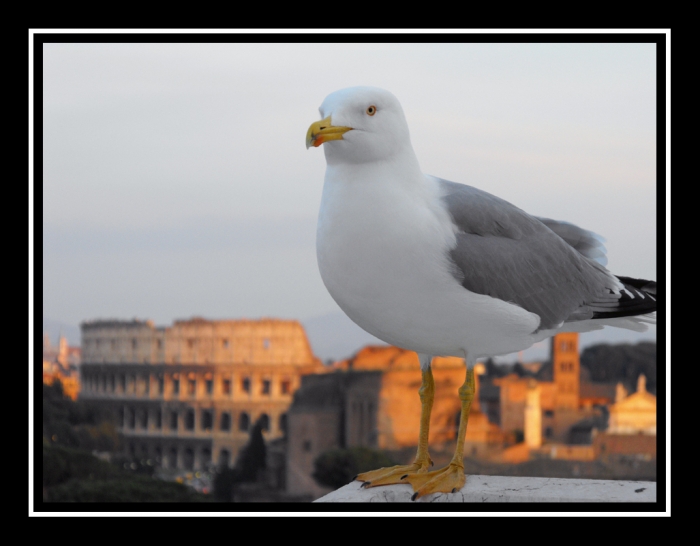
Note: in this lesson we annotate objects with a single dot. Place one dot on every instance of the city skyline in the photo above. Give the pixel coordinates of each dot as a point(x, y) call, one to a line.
point(185, 396)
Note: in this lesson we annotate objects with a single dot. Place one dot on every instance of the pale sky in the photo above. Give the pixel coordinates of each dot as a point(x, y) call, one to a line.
point(176, 182)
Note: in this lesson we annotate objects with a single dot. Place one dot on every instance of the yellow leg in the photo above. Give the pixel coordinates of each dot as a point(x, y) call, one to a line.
point(451, 478)
point(395, 474)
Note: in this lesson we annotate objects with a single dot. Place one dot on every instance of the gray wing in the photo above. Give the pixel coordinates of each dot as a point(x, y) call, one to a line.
point(585, 242)
point(505, 253)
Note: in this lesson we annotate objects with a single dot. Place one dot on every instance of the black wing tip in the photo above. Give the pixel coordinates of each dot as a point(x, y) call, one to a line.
point(637, 298)
point(640, 284)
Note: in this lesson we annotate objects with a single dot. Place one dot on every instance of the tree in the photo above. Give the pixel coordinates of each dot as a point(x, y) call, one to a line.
point(623, 362)
point(61, 464)
point(252, 457)
point(82, 424)
point(131, 489)
point(338, 467)
point(250, 461)
point(224, 482)
point(72, 475)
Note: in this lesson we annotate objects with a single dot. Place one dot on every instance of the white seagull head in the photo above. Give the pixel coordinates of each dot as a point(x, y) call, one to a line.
point(360, 125)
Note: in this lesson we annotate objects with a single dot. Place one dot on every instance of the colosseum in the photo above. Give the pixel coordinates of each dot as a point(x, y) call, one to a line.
point(185, 396)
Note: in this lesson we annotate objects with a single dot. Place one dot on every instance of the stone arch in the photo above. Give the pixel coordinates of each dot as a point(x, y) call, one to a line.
point(189, 419)
point(132, 418)
point(172, 457)
point(243, 421)
point(174, 418)
point(205, 458)
point(224, 458)
point(225, 423)
point(207, 419)
point(188, 459)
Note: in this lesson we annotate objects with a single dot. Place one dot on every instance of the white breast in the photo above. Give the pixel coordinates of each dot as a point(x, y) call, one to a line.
point(382, 248)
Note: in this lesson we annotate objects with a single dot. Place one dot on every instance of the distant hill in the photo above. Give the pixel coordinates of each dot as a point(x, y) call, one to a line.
point(612, 363)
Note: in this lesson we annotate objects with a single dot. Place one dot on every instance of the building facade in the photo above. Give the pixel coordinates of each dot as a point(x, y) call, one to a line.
point(563, 400)
point(61, 363)
point(631, 432)
point(634, 414)
point(186, 396)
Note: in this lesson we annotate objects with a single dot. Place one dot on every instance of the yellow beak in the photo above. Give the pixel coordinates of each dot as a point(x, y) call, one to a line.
point(322, 131)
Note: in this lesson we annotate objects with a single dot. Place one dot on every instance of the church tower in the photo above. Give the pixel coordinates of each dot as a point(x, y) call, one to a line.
point(567, 370)
point(533, 415)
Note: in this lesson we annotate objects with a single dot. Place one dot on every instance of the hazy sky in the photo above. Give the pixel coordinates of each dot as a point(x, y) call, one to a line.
point(176, 181)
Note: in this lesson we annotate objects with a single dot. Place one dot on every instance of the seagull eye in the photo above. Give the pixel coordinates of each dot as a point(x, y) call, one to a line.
point(371, 110)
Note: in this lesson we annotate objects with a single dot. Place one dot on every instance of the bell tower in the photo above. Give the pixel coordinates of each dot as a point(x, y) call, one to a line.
point(566, 369)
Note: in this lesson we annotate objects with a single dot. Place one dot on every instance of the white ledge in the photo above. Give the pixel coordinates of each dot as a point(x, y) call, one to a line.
point(507, 489)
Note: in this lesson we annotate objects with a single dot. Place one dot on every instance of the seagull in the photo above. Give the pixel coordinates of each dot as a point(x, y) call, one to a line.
point(446, 269)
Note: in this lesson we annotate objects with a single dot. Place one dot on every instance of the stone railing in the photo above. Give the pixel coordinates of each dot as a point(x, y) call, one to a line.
point(507, 489)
